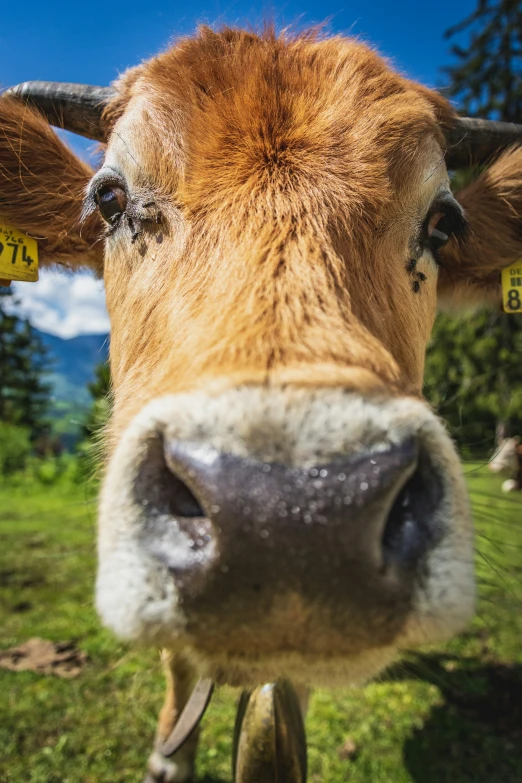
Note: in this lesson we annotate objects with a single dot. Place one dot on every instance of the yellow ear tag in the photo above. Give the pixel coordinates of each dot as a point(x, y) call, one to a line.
point(512, 287)
point(18, 256)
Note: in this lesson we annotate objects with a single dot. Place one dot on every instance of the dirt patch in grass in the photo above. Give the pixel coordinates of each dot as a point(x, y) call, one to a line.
point(62, 659)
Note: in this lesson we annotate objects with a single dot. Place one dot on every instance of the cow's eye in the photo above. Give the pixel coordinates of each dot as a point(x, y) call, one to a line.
point(111, 201)
point(439, 230)
point(444, 220)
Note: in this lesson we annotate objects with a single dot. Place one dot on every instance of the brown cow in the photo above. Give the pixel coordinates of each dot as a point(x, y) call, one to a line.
point(274, 223)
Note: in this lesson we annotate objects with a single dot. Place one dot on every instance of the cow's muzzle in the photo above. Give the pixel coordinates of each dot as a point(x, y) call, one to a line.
point(321, 528)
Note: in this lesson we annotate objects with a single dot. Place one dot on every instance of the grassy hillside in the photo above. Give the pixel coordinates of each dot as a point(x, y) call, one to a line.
point(451, 714)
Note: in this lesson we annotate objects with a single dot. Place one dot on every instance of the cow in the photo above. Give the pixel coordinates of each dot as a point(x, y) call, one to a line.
point(274, 223)
point(508, 459)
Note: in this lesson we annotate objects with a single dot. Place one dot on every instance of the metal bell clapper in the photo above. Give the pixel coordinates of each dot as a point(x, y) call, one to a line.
point(269, 736)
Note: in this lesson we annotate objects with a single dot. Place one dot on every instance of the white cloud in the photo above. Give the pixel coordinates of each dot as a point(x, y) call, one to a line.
point(66, 305)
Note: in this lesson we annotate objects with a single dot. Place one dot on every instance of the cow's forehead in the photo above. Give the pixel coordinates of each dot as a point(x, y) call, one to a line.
point(130, 150)
point(220, 114)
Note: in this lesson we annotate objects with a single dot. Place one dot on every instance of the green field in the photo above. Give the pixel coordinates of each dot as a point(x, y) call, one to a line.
point(449, 714)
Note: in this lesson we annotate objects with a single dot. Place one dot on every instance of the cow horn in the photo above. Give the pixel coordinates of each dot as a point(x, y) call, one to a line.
point(471, 140)
point(74, 107)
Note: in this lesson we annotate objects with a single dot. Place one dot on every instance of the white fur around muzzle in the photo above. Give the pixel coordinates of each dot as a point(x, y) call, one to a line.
point(137, 597)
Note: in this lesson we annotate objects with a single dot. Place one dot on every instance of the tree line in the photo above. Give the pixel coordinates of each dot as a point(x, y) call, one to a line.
point(24, 391)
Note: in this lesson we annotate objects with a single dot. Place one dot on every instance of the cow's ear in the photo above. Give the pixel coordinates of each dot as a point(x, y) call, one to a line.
point(471, 265)
point(42, 184)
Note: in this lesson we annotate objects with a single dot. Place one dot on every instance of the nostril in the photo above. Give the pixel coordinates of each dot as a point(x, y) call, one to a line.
point(411, 528)
point(182, 501)
point(403, 537)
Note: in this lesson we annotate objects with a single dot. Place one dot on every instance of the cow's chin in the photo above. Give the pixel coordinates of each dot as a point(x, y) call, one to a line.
point(169, 584)
point(310, 670)
point(314, 656)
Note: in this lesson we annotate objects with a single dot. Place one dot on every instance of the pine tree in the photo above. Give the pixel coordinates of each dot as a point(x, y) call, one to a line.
point(483, 387)
point(100, 390)
point(24, 392)
point(90, 450)
point(486, 80)
point(462, 381)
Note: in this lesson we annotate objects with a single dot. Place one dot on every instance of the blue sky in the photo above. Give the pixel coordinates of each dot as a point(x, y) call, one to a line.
point(72, 41)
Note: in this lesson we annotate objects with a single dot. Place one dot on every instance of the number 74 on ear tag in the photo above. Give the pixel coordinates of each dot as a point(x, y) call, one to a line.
point(18, 255)
point(512, 288)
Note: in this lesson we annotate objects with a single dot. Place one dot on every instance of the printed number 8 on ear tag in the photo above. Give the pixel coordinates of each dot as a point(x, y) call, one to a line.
point(18, 255)
point(512, 288)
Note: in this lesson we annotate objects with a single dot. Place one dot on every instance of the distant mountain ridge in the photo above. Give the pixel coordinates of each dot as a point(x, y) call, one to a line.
point(72, 362)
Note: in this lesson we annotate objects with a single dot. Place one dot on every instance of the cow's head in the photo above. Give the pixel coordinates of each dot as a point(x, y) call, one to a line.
point(274, 223)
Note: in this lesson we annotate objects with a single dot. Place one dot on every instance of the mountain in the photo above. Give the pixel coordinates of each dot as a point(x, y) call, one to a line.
point(72, 364)
point(71, 368)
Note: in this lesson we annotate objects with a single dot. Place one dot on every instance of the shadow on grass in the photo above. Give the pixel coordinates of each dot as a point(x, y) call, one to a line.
point(476, 735)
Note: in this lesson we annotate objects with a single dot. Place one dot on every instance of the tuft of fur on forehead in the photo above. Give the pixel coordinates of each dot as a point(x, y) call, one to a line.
point(276, 112)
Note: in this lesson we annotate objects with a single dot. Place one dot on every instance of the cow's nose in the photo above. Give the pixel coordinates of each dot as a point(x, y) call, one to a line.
point(280, 522)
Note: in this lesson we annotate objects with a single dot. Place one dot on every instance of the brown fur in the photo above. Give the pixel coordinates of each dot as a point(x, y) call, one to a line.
point(287, 158)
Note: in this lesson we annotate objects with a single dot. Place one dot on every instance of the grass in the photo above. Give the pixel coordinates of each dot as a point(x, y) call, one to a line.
point(452, 713)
